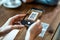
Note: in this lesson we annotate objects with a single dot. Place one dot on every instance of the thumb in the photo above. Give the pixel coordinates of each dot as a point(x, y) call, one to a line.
point(37, 23)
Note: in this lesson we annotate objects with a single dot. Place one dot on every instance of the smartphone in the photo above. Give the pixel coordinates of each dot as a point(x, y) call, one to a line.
point(32, 15)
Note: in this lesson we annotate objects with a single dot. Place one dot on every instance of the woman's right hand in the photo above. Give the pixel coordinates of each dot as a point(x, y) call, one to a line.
point(33, 30)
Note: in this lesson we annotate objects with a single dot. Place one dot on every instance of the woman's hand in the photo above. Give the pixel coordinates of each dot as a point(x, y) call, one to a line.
point(11, 24)
point(15, 18)
point(33, 30)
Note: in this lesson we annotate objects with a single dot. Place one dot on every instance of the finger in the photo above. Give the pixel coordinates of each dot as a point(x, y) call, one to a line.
point(16, 17)
point(19, 15)
point(38, 24)
point(17, 26)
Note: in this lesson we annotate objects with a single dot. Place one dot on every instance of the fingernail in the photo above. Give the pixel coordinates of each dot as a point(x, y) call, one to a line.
point(38, 21)
point(22, 25)
point(16, 15)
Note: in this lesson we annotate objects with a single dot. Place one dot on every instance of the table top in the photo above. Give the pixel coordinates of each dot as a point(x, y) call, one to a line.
point(50, 16)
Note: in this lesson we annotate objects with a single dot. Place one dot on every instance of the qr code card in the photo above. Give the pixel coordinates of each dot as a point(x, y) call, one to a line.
point(33, 16)
point(45, 27)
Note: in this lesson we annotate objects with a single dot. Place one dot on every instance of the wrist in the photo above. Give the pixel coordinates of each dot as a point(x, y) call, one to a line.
point(32, 37)
point(5, 28)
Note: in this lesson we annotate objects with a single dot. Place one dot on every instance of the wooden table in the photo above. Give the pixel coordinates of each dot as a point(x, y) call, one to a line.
point(51, 16)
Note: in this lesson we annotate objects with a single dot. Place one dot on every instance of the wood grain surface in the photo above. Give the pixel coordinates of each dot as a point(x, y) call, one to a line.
point(50, 16)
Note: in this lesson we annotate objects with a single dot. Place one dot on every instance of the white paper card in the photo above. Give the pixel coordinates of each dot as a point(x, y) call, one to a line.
point(11, 35)
point(45, 27)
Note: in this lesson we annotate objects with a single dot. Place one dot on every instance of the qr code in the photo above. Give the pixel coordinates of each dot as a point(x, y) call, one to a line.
point(33, 16)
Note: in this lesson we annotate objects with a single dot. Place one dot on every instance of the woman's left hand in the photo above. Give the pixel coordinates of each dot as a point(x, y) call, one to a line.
point(10, 24)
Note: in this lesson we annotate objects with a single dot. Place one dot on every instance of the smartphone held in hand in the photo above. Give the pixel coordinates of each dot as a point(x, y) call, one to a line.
point(32, 15)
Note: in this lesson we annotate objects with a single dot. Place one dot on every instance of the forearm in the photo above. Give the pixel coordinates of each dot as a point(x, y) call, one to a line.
point(31, 38)
point(5, 31)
